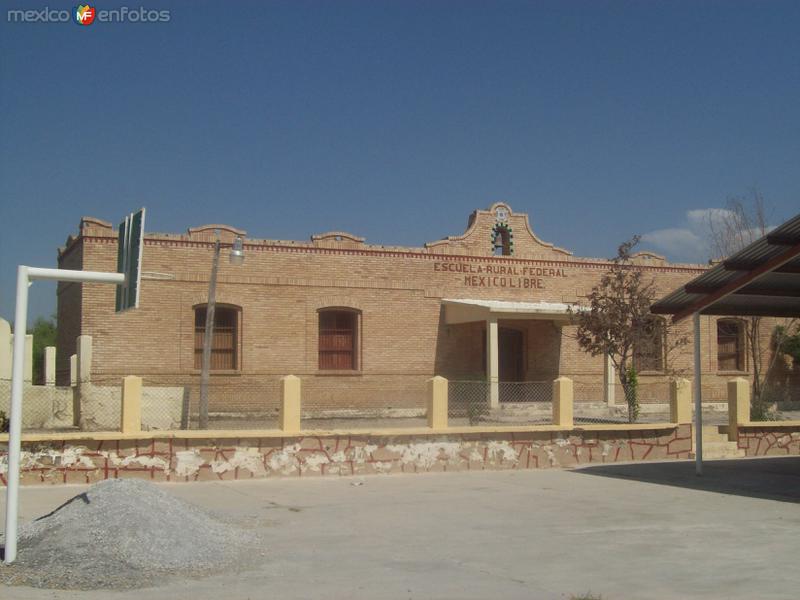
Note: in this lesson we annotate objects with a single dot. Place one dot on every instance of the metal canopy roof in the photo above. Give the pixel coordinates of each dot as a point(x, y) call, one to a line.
point(763, 279)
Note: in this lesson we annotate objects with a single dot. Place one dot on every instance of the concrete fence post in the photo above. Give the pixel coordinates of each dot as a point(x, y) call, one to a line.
point(609, 380)
point(84, 358)
point(73, 383)
point(680, 401)
point(738, 406)
point(5, 349)
point(562, 402)
point(290, 404)
point(73, 370)
point(131, 417)
point(50, 365)
point(437, 402)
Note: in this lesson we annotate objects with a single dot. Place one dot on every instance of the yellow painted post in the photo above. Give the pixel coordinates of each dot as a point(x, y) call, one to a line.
point(131, 419)
point(290, 404)
point(738, 406)
point(680, 401)
point(562, 402)
point(437, 402)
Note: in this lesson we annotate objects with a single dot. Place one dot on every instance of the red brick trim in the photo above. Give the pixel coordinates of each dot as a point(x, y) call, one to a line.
point(266, 247)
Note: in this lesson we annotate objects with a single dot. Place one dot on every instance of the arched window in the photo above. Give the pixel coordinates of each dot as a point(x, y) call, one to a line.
point(225, 341)
point(338, 339)
point(648, 351)
point(730, 345)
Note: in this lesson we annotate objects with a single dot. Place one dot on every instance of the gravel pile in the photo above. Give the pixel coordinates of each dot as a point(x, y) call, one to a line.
point(125, 533)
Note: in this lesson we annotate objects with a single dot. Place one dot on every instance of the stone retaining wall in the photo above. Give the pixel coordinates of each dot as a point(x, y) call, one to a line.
point(762, 440)
point(183, 458)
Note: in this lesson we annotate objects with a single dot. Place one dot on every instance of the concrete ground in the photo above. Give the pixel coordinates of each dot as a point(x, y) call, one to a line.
point(626, 532)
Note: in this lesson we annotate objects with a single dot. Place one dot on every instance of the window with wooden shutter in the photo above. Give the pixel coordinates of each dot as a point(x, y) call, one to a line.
point(338, 339)
point(648, 351)
point(730, 345)
point(225, 341)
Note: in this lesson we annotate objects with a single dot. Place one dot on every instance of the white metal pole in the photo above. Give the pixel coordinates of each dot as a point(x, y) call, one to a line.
point(15, 425)
point(24, 277)
point(69, 275)
point(698, 406)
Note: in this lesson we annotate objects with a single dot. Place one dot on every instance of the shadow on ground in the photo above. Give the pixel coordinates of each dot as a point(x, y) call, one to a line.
point(776, 478)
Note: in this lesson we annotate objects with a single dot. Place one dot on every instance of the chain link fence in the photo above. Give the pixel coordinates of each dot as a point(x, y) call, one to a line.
point(44, 409)
point(171, 403)
point(652, 397)
point(342, 402)
point(590, 405)
point(232, 404)
point(470, 403)
point(781, 402)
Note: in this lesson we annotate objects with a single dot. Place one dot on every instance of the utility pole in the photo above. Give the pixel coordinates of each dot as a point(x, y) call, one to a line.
point(236, 258)
point(208, 337)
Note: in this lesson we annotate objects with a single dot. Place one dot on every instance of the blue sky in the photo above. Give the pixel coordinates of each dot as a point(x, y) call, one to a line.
point(394, 120)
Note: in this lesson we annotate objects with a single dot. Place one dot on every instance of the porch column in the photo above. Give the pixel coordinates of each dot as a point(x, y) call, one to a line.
point(609, 380)
point(492, 362)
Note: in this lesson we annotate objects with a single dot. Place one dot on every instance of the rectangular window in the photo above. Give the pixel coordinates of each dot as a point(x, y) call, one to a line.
point(337, 340)
point(648, 352)
point(730, 355)
point(224, 345)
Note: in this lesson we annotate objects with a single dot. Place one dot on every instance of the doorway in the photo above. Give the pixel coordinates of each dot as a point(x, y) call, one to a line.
point(511, 354)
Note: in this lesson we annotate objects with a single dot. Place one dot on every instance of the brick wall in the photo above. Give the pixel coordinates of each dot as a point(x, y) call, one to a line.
point(69, 310)
point(398, 291)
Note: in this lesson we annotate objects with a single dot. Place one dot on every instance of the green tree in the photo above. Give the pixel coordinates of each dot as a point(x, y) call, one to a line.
point(618, 318)
point(44, 334)
point(788, 340)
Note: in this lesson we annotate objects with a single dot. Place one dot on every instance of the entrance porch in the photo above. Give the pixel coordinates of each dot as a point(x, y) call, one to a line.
point(519, 344)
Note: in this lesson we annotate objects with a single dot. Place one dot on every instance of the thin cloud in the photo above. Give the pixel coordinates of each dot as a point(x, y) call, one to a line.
point(689, 242)
point(701, 218)
point(679, 244)
point(692, 241)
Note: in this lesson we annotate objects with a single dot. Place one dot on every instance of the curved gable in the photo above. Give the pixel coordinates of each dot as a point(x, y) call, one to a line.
point(477, 240)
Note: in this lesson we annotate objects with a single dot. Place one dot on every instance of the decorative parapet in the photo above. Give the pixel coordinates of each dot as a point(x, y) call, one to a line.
point(95, 226)
point(208, 233)
point(648, 258)
point(337, 239)
point(481, 225)
point(471, 245)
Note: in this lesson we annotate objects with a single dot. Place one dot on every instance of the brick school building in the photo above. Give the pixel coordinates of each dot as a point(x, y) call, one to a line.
point(364, 324)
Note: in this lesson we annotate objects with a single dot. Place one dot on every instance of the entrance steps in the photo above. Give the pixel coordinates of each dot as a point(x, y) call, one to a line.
point(716, 444)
